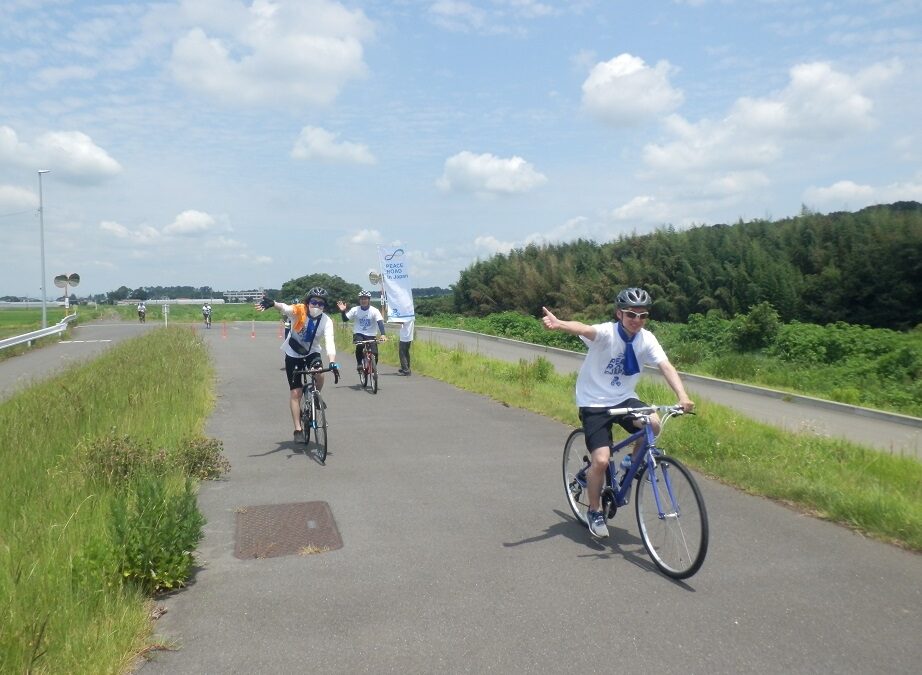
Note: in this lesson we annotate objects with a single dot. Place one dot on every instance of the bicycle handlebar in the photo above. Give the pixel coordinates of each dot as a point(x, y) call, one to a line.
point(648, 410)
point(332, 368)
point(368, 342)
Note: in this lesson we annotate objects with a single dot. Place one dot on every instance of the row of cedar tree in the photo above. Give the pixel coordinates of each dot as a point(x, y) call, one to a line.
point(861, 268)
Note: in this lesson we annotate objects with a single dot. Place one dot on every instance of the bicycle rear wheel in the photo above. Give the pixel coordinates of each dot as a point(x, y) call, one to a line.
point(306, 416)
point(672, 518)
point(320, 427)
point(374, 375)
point(575, 461)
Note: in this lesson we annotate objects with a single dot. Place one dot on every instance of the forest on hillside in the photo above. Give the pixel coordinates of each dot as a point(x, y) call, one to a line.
point(862, 268)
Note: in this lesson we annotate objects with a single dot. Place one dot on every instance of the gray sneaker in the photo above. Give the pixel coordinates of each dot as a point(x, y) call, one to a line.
point(596, 522)
point(299, 436)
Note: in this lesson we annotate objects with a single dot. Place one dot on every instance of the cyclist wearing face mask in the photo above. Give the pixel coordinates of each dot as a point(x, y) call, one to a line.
point(302, 348)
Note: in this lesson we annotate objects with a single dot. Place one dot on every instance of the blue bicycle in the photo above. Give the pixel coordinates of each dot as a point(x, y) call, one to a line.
point(670, 511)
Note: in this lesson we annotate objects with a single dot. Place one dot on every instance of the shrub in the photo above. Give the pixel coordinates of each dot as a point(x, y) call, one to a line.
point(155, 527)
point(800, 343)
point(757, 329)
point(203, 458)
point(116, 458)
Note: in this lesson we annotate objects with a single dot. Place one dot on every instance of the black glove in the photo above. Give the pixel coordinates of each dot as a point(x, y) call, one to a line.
point(266, 302)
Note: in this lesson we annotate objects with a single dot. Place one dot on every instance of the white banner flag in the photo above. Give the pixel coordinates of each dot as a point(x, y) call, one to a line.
point(396, 278)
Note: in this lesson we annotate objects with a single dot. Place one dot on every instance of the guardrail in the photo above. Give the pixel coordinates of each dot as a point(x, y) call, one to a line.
point(29, 338)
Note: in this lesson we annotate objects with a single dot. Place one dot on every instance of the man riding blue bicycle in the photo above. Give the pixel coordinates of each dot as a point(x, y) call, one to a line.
point(302, 348)
point(617, 351)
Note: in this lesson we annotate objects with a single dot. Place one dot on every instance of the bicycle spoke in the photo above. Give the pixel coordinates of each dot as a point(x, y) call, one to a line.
point(672, 518)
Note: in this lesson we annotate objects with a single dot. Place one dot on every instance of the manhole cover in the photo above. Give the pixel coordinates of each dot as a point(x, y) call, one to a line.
point(274, 530)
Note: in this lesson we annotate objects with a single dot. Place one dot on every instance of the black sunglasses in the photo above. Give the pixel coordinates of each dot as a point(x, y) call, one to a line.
point(636, 315)
point(316, 303)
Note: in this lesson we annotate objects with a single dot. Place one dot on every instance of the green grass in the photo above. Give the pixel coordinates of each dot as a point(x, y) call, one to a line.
point(883, 382)
point(869, 491)
point(62, 608)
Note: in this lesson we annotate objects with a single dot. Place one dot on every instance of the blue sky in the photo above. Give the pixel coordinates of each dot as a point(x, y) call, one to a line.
point(242, 144)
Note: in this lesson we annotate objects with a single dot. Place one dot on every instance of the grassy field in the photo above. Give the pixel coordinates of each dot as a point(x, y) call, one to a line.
point(869, 491)
point(66, 604)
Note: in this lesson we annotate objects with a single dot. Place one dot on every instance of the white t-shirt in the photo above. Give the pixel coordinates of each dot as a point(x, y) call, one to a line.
point(324, 330)
point(406, 330)
point(601, 382)
point(366, 320)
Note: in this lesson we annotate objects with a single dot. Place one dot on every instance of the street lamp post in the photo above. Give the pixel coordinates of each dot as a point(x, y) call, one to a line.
point(41, 226)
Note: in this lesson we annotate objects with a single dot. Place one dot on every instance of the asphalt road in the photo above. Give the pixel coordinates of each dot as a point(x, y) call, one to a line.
point(460, 555)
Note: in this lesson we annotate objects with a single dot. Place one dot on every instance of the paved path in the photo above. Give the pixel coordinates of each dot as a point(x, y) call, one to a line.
point(459, 554)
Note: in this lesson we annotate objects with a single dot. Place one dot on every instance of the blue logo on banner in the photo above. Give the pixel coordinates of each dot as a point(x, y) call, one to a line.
point(397, 252)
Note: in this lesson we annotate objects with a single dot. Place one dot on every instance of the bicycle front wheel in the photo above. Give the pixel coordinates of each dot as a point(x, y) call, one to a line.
point(575, 462)
point(320, 427)
point(363, 376)
point(672, 518)
point(374, 376)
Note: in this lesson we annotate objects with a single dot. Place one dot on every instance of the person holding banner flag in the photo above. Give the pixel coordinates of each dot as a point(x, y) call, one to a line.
point(368, 321)
point(395, 281)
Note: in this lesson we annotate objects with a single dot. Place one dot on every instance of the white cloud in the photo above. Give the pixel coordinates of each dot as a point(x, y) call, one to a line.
point(144, 235)
point(75, 155)
point(70, 155)
point(320, 144)
point(644, 208)
point(190, 222)
point(365, 237)
point(848, 195)
point(458, 16)
point(492, 245)
point(287, 52)
point(14, 198)
point(487, 174)
point(818, 105)
point(115, 229)
point(626, 91)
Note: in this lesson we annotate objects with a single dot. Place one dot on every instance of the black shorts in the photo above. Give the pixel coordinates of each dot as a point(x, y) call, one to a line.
point(597, 423)
point(301, 363)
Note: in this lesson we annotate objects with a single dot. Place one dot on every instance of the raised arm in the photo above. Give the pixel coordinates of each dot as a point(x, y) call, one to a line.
point(577, 328)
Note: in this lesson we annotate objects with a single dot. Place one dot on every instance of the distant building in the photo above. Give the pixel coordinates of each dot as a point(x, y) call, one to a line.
point(243, 296)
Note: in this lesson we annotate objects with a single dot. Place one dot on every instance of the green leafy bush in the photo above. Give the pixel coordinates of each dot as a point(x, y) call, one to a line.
point(757, 329)
point(156, 526)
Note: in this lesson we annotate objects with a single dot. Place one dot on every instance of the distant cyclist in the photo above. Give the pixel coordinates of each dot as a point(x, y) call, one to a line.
point(368, 323)
point(607, 379)
point(142, 311)
point(206, 314)
point(302, 348)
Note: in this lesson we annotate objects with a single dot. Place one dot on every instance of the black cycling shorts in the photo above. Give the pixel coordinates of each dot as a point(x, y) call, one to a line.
point(597, 423)
point(301, 363)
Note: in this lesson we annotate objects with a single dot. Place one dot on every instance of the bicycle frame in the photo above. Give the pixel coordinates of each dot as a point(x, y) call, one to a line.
point(647, 457)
